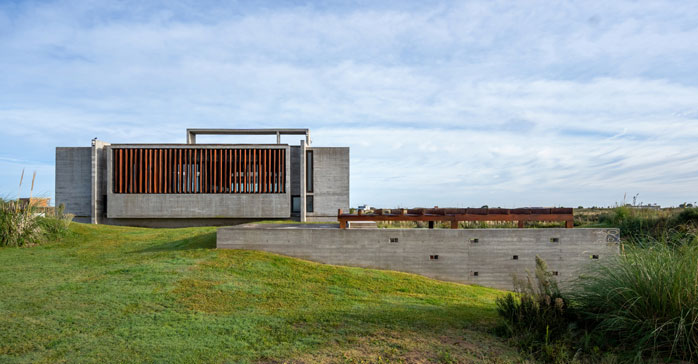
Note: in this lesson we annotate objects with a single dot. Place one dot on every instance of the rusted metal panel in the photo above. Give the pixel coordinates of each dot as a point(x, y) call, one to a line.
point(456, 215)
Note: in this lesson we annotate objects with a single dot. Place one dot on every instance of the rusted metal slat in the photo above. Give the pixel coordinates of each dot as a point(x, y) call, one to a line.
point(283, 171)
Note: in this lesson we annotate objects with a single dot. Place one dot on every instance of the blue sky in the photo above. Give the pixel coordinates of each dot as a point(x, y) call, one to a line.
point(511, 103)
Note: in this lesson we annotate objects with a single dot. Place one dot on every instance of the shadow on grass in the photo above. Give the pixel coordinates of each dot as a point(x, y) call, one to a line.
point(202, 241)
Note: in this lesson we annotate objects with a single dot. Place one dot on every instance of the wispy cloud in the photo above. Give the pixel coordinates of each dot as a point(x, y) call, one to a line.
point(472, 103)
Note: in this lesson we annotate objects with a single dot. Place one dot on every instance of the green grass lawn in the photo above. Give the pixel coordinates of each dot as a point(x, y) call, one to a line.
point(108, 294)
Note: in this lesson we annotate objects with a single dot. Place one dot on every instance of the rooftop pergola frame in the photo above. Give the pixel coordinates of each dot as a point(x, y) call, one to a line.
point(192, 133)
point(455, 215)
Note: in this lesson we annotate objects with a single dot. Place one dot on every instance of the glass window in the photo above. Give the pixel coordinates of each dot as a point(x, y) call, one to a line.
point(296, 204)
point(309, 203)
point(309, 171)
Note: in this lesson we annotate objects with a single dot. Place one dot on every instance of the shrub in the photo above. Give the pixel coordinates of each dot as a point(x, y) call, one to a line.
point(537, 315)
point(56, 226)
point(18, 224)
point(645, 301)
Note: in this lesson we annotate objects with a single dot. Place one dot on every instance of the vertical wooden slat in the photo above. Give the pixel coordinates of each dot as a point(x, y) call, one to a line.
point(235, 170)
point(162, 171)
point(167, 170)
point(220, 170)
point(230, 170)
point(275, 168)
point(128, 167)
point(244, 170)
point(267, 167)
point(283, 171)
point(156, 170)
point(238, 165)
point(121, 171)
point(201, 170)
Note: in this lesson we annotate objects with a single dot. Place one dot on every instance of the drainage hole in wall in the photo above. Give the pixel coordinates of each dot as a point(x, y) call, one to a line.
point(475, 274)
point(393, 240)
point(474, 240)
point(515, 257)
point(594, 256)
point(554, 240)
point(434, 257)
point(555, 273)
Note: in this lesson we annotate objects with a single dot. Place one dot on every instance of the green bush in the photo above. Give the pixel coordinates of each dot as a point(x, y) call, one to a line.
point(645, 301)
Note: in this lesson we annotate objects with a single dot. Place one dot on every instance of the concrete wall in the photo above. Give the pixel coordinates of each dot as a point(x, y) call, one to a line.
point(99, 182)
point(331, 182)
point(74, 181)
point(220, 205)
point(459, 257)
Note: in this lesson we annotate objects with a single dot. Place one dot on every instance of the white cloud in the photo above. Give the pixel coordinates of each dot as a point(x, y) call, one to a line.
point(460, 104)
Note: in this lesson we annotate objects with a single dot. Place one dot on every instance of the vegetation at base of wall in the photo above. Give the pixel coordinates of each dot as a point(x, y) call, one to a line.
point(114, 294)
point(640, 305)
point(644, 302)
point(537, 316)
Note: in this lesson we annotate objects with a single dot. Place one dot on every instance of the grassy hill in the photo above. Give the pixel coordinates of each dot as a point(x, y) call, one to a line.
point(120, 294)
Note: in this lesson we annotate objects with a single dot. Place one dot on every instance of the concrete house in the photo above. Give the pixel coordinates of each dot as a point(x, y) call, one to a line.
point(203, 184)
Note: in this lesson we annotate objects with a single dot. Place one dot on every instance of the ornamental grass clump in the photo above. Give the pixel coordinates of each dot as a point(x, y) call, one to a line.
point(644, 301)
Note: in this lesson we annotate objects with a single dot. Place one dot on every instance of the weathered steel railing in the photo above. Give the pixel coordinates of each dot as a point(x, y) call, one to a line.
point(454, 215)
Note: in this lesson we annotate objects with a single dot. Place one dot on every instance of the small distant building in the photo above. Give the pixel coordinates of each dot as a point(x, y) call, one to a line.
point(35, 201)
point(203, 184)
point(364, 208)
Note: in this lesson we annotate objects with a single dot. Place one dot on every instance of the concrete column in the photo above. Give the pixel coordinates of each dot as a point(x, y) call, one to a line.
point(98, 181)
point(302, 184)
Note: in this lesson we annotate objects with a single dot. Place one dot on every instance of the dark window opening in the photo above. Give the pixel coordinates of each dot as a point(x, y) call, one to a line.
point(309, 203)
point(309, 171)
point(296, 204)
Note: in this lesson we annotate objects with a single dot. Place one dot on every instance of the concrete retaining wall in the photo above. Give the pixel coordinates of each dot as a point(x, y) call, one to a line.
point(472, 256)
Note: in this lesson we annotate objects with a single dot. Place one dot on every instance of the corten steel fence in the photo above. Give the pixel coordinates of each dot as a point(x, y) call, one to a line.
point(454, 215)
point(199, 170)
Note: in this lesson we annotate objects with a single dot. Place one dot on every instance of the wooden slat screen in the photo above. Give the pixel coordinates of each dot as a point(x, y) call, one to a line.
point(198, 170)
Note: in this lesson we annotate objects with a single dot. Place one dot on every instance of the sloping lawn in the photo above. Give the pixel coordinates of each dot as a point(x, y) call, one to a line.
point(107, 294)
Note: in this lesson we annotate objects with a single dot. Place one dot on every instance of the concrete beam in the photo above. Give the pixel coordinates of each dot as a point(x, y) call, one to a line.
point(192, 133)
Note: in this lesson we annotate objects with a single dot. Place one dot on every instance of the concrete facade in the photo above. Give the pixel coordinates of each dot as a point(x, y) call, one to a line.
point(330, 183)
point(197, 206)
point(85, 185)
point(74, 181)
point(488, 257)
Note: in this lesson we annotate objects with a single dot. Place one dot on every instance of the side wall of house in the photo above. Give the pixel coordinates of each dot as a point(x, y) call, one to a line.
point(74, 181)
point(330, 182)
